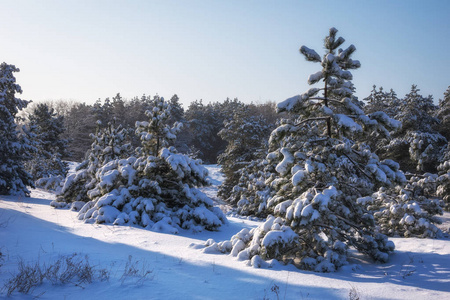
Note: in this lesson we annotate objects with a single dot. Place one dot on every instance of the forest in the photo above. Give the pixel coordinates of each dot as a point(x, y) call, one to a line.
point(324, 170)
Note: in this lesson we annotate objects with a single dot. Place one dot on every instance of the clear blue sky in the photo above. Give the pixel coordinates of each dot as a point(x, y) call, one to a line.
point(211, 50)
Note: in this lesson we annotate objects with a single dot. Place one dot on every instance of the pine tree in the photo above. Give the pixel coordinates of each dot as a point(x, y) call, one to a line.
point(47, 166)
point(443, 181)
point(205, 122)
point(247, 137)
point(375, 101)
point(103, 112)
point(176, 111)
point(247, 188)
point(156, 188)
point(156, 133)
point(418, 136)
point(251, 192)
point(387, 102)
point(79, 123)
point(118, 108)
point(443, 114)
point(321, 171)
point(177, 115)
point(15, 148)
point(201, 129)
point(379, 100)
point(107, 144)
point(406, 211)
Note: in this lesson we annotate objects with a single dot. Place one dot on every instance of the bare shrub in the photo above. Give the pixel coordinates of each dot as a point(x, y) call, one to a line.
point(73, 269)
point(2, 258)
point(70, 269)
point(132, 270)
point(354, 294)
point(28, 278)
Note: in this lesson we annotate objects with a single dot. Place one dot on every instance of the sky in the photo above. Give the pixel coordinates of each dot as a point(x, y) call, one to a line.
point(212, 50)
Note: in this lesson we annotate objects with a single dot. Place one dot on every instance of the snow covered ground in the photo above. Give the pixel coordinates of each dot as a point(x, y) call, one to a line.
point(141, 264)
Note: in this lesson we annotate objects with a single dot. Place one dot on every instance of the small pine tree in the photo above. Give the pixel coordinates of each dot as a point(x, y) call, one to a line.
point(387, 102)
point(15, 148)
point(406, 211)
point(107, 144)
point(47, 127)
point(200, 129)
point(155, 189)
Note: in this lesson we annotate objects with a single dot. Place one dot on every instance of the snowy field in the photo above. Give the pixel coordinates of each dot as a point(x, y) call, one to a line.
point(135, 263)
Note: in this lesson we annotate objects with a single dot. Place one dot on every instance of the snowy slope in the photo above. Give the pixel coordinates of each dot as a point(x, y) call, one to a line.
point(32, 231)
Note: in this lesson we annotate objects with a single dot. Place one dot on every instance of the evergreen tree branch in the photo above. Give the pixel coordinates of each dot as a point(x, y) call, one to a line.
point(356, 165)
point(312, 119)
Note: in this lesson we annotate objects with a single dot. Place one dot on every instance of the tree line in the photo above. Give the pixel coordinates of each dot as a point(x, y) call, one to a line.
point(199, 135)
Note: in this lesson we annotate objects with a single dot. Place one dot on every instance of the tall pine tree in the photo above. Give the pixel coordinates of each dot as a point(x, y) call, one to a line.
point(14, 147)
point(47, 128)
point(322, 169)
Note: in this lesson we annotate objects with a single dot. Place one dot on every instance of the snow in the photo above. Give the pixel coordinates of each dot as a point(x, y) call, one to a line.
point(313, 78)
point(346, 122)
point(289, 103)
point(310, 54)
point(279, 236)
point(33, 231)
point(287, 161)
point(298, 177)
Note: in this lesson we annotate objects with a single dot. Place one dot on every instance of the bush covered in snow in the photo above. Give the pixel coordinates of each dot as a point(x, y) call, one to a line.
point(51, 183)
point(419, 135)
point(400, 212)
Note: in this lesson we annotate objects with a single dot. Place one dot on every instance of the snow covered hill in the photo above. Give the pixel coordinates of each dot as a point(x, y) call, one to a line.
point(133, 263)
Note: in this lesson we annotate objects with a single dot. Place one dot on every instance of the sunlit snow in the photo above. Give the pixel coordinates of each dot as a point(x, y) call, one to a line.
point(173, 266)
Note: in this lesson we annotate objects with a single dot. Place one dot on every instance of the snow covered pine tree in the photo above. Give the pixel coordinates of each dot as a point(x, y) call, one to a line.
point(443, 181)
point(408, 210)
point(47, 167)
point(108, 144)
point(15, 149)
point(155, 189)
point(418, 136)
point(322, 170)
point(246, 135)
point(443, 114)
